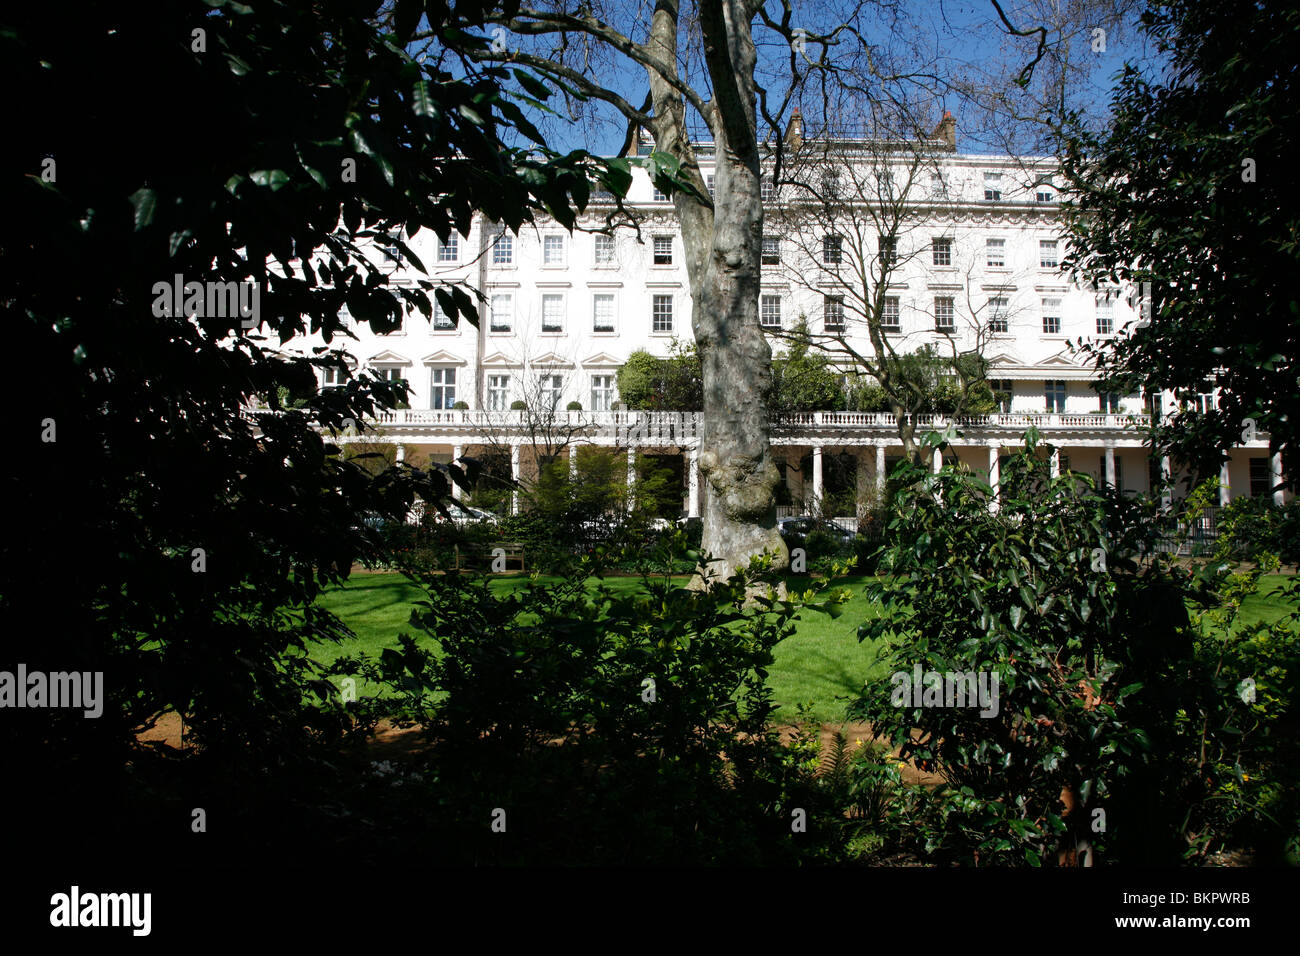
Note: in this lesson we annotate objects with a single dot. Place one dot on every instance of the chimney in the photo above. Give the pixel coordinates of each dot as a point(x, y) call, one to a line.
point(794, 132)
point(946, 131)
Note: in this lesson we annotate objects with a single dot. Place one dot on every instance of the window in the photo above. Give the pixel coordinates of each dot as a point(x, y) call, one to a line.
point(992, 187)
point(941, 250)
point(551, 390)
point(331, 375)
point(390, 373)
point(602, 312)
point(663, 250)
point(449, 251)
point(832, 250)
point(660, 195)
point(503, 312)
point(1003, 391)
point(889, 316)
point(1047, 253)
point(1261, 480)
point(766, 189)
point(1119, 471)
point(938, 189)
point(503, 249)
point(769, 311)
point(995, 253)
point(943, 314)
point(604, 252)
point(1105, 315)
point(552, 313)
point(1051, 316)
point(498, 392)
point(771, 250)
point(1044, 193)
point(662, 314)
point(833, 313)
point(442, 389)
point(441, 320)
point(1108, 402)
point(888, 250)
point(998, 314)
point(552, 250)
point(602, 392)
point(1054, 391)
point(831, 183)
point(708, 181)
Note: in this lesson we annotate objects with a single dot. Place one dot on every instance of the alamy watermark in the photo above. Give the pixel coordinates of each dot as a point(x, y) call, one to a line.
point(222, 300)
point(946, 689)
point(75, 689)
point(75, 908)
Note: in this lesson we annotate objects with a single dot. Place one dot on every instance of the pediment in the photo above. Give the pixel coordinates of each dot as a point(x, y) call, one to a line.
point(500, 360)
point(443, 357)
point(602, 360)
point(551, 360)
point(388, 357)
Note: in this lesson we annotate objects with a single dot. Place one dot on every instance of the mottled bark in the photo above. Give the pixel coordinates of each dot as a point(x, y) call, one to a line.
point(722, 244)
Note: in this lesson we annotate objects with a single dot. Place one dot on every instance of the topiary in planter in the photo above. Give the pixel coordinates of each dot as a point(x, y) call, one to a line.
point(574, 406)
point(518, 405)
point(461, 406)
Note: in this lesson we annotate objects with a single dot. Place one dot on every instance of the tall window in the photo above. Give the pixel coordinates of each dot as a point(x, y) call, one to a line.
point(503, 249)
point(833, 313)
point(995, 253)
point(1003, 391)
point(1108, 402)
point(832, 250)
point(769, 311)
point(331, 375)
point(943, 314)
point(602, 392)
point(442, 390)
point(449, 251)
point(766, 189)
point(552, 250)
point(498, 392)
point(1054, 391)
point(663, 250)
point(1261, 479)
point(390, 373)
point(998, 314)
point(1119, 470)
point(992, 186)
point(660, 195)
point(441, 320)
point(552, 313)
point(602, 312)
point(1045, 192)
point(771, 250)
point(889, 315)
point(938, 188)
point(709, 180)
point(662, 314)
point(1105, 315)
point(831, 183)
point(941, 250)
point(1051, 316)
point(503, 312)
point(551, 391)
point(888, 250)
point(604, 250)
point(1047, 254)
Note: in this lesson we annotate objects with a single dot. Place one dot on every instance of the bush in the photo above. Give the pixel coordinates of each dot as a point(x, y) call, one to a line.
point(574, 406)
point(518, 405)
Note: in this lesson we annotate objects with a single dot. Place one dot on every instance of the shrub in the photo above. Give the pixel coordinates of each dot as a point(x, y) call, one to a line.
point(518, 405)
point(574, 406)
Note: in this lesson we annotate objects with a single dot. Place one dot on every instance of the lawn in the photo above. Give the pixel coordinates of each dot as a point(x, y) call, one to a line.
point(822, 664)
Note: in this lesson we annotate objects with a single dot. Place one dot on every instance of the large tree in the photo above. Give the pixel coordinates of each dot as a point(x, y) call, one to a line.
point(1188, 194)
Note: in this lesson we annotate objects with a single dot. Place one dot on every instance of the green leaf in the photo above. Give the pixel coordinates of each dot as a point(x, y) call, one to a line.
point(275, 178)
point(145, 201)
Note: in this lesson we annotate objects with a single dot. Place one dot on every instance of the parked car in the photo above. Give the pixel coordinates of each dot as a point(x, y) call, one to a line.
point(463, 514)
point(795, 530)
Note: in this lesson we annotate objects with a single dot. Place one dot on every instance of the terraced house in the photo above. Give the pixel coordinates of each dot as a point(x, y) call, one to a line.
point(867, 244)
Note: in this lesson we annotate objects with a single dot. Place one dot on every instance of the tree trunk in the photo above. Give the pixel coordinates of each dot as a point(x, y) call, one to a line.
point(722, 244)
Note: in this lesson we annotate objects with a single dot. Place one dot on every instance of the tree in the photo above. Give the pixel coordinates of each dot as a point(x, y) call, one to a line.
point(854, 217)
point(671, 384)
point(1186, 191)
point(183, 544)
point(802, 381)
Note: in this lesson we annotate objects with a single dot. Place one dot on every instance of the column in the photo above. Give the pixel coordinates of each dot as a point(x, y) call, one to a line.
point(995, 474)
point(1275, 468)
point(573, 461)
point(456, 452)
point(1166, 472)
point(817, 479)
point(514, 476)
point(1110, 464)
point(1055, 463)
point(401, 453)
point(861, 482)
point(1225, 489)
point(937, 463)
point(880, 469)
point(693, 480)
point(631, 477)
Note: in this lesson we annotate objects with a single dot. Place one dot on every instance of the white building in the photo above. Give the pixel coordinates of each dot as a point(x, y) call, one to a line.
point(976, 263)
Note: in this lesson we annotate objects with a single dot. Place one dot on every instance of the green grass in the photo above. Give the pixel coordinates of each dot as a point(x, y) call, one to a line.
point(822, 664)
